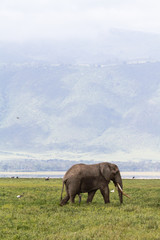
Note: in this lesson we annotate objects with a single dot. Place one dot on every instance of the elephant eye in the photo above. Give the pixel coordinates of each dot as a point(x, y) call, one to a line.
point(116, 171)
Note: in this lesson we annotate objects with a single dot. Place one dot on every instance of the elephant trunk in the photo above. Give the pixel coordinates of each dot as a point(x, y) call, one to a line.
point(118, 183)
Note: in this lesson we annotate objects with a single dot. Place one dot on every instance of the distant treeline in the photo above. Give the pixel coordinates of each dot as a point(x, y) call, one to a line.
point(30, 165)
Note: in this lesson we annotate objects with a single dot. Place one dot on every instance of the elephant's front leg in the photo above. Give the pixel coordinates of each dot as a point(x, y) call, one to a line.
point(105, 193)
point(90, 196)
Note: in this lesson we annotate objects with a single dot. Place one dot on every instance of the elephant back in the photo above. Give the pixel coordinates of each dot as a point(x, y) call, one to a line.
point(82, 171)
point(74, 171)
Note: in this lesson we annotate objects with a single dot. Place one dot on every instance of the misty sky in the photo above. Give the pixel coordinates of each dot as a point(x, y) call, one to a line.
point(49, 19)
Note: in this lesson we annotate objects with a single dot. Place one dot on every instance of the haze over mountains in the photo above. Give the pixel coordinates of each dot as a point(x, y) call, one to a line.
point(110, 47)
point(78, 100)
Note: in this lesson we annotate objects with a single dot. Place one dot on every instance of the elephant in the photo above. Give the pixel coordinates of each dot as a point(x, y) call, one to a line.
point(83, 178)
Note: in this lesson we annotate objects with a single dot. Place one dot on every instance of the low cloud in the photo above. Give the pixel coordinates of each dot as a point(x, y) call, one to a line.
point(54, 20)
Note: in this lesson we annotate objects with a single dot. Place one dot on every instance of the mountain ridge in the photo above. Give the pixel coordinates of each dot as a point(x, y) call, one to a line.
point(91, 109)
point(30, 165)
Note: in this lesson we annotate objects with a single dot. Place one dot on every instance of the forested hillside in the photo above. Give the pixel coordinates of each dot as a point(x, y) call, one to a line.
point(61, 165)
point(81, 108)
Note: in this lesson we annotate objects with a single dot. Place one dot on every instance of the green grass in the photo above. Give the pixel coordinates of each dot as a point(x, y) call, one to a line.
point(38, 216)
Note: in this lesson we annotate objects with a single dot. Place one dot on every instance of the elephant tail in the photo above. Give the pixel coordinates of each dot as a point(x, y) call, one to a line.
point(62, 190)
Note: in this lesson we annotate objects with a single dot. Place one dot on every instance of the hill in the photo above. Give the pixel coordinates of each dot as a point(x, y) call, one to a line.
point(30, 165)
point(81, 109)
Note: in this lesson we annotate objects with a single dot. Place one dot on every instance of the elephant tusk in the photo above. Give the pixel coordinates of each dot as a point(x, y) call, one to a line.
point(122, 190)
point(119, 187)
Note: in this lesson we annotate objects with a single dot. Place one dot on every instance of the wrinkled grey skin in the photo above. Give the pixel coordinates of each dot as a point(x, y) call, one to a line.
point(82, 178)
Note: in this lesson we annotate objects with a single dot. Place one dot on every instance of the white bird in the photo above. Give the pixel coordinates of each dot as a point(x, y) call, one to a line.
point(19, 196)
point(112, 190)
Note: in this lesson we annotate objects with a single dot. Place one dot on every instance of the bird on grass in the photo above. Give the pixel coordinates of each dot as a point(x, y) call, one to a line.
point(19, 196)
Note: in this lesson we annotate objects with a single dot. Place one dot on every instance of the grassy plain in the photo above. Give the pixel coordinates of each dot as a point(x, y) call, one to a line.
point(38, 216)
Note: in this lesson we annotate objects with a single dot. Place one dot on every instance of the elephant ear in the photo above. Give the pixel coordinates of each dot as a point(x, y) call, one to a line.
point(105, 171)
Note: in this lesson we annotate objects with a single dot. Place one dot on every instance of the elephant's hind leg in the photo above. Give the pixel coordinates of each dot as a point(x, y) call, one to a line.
point(90, 196)
point(72, 198)
point(64, 200)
